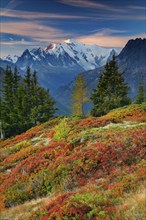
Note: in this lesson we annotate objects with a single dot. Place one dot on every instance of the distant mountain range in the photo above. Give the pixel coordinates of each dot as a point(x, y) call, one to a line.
point(131, 61)
point(58, 65)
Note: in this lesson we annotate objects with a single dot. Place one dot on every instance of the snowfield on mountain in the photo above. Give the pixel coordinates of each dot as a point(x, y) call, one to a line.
point(70, 52)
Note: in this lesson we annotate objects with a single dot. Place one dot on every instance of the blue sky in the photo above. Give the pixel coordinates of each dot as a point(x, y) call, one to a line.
point(36, 23)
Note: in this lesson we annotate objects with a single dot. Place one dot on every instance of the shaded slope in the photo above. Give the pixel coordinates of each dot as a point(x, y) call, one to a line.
point(87, 166)
point(131, 62)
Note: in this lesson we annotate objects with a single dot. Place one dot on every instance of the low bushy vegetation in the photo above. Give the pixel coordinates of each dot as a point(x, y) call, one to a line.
point(90, 168)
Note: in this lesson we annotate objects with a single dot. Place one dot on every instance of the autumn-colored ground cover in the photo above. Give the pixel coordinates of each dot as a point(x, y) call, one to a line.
point(86, 167)
point(131, 113)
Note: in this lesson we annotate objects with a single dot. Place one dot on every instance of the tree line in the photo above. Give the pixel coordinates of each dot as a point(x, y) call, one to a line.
point(111, 91)
point(24, 103)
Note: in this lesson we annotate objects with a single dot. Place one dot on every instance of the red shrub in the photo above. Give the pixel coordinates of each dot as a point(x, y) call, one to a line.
point(93, 122)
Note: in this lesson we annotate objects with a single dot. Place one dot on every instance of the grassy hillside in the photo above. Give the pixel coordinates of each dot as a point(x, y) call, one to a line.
point(77, 169)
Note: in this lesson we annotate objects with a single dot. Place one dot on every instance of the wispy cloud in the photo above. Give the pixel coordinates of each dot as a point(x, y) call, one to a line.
point(106, 39)
point(90, 4)
point(42, 35)
point(118, 17)
point(143, 8)
point(13, 3)
point(107, 31)
point(122, 17)
point(27, 15)
point(35, 30)
point(21, 42)
point(37, 15)
point(121, 13)
point(31, 24)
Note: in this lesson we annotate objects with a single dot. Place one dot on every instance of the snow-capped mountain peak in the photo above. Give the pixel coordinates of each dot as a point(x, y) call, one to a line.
point(50, 47)
point(69, 54)
point(70, 41)
point(10, 58)
point(67, 41)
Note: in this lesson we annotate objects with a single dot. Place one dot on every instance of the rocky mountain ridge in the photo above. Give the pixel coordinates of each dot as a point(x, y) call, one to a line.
point(59, 63)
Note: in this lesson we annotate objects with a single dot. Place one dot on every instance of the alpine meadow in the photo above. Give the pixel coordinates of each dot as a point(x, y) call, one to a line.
point(72, 110)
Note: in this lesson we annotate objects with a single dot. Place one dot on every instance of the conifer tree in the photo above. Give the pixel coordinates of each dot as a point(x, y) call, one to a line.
point(34, 78)
point(28, 90)
point(8, 88)
point(79, 95)
point(16, 79)
point(44, 107)
point(111, 91)
point(23, 103)
point(141, 96)
point(7, 101)
point(21, 108)
point(34, 89)
point(15, 110)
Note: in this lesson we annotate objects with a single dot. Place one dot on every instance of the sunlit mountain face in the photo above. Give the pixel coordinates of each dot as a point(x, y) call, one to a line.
point(73, 110)
point(33, 23)
point(86, 56)
point(59, 63)
point(61, 38)
point(131, 62)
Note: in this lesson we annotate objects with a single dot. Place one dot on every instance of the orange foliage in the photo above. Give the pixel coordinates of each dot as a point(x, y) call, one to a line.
point(93, 122)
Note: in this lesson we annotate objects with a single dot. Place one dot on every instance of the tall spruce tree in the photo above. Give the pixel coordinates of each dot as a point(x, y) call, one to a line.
point(44, 109)
point(21, 108)
point(111, 91)
point(23, 103)
point(141, 95)
point(7, 102)
point(79, 95)
point(27, 96)
point(16, 79)
point(15, 110)
point(34, 89)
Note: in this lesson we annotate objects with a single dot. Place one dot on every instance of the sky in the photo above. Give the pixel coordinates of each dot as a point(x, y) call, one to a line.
point(37, 23)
